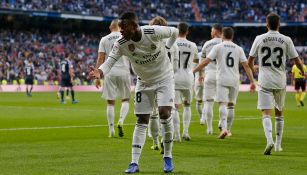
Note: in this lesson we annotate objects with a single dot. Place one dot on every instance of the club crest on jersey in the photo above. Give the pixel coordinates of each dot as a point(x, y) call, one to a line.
point(131, 47)
point(153, 47)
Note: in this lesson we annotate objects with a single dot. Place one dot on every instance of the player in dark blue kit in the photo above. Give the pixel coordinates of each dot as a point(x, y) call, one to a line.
point(29, 70)
point(67, 74)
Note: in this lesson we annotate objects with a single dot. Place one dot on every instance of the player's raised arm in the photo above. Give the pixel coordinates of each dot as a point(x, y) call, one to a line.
point(163, 32)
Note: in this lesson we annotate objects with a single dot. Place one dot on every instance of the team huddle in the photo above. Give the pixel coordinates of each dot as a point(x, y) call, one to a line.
point(169, 69)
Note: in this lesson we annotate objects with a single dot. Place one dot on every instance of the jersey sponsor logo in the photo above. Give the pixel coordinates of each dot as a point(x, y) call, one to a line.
point(153, 47)
point(131, 47)
point(148, 58)
point(149, 31)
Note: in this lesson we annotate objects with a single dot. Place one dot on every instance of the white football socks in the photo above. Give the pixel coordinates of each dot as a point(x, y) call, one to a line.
point(199, 108)
point(167, 135)
point(208, 115)
point(186, 119)
point(267, 126)
point(230, 117)
point(110, 116)
point(176, 121)
point(223, 116)
point(123, 111)
point(154, 126)
point(279, 126)
point(139, 137)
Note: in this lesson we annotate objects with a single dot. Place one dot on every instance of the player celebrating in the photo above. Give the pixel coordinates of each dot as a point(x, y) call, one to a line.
point(184, 80)
point(228, 55)
point(116, 82)
point(67, 76)
point(148, 56)
point(29, 69)
point(210, 78)
point(173, 55)
point(272, 50)
point(299, 83)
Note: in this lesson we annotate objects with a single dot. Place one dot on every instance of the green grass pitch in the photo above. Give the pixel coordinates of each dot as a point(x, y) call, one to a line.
point(40, 136)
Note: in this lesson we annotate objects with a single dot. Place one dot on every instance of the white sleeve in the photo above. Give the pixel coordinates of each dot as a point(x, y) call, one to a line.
point(242, 55)
point(114, 56)
point(254, 50)
point(163, 32)
point(213, 53)
point(291, 51)
point(196, 53)
point(101, 47)
point(175, 54)
point(203, 51)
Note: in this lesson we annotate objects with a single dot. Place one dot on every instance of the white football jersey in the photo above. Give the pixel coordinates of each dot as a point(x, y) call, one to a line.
point(148, 57)
point(187, 53)
point(199, 58)
point(173, 55)
point(121, 67)
point(272, 50)
point(228, 56)
point(211, 67)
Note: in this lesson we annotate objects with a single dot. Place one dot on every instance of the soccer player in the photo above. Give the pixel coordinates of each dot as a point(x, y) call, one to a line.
point(173, 54)
point(199, 90)
point(184, 81)
point(228, 56)
point(67, 77)
point(29, 69)
point(272, 50)
point(147, 53)
point(210, 78)
point(299, 82)
point(116, 82)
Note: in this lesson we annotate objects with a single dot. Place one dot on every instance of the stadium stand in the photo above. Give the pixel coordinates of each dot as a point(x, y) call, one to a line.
point(176, 10)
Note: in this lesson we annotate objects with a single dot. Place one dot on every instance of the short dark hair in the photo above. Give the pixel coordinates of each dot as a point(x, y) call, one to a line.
point(227, 32)
point(273, 21)
point(183, 28)
point(217, 27)
point(130, 16)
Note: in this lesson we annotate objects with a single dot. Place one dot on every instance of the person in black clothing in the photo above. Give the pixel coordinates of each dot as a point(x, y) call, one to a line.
point(29, 69)
point(67, 74)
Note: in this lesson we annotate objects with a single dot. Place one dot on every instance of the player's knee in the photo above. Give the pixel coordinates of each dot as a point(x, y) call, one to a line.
point(143, 118)
point(231, 105)
point(186, 103)
point(111, 102)
point(278, 112)
point(165, 112)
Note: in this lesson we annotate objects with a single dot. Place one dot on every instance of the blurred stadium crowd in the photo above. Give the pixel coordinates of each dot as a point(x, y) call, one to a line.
point(46, 50)
point(188, 10)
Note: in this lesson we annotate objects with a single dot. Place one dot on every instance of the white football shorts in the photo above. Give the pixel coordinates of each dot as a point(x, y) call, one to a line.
point(116, 87)
point(226, 94)
point(270, 98)
point(145, 95)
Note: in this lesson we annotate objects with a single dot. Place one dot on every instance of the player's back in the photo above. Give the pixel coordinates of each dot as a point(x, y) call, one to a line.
point(29, 69)
point(272, 50)
point(65, 65)
point(211, 67)
point(228, 56)
point(105, 45)
point(187, 53)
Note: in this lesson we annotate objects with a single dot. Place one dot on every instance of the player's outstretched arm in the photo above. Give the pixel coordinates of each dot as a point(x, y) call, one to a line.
point(202, 64)
point(250, 76)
